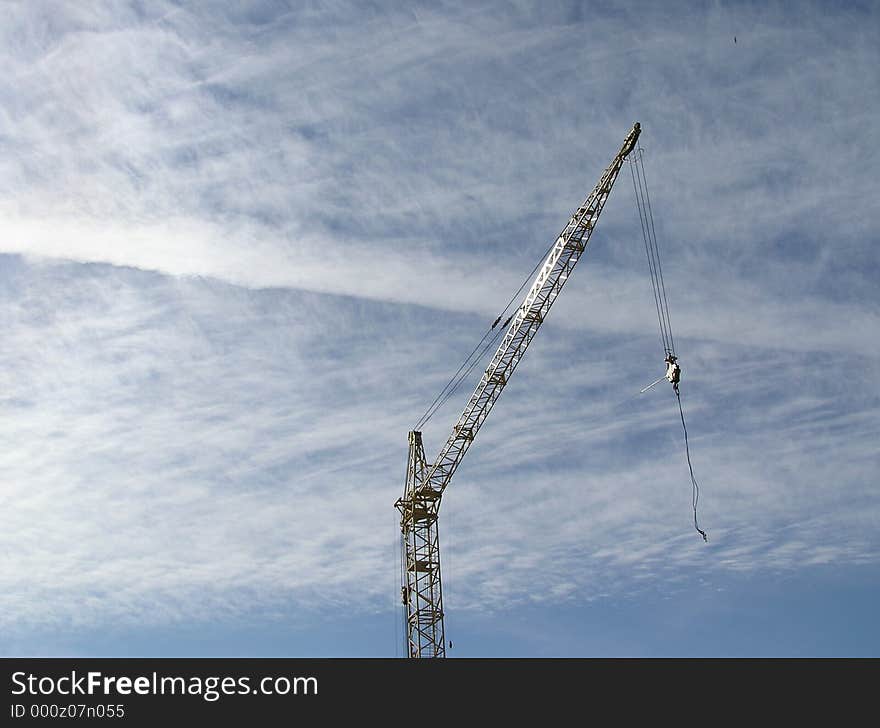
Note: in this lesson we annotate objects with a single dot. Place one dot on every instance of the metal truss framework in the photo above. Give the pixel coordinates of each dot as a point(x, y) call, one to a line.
point(419, 507)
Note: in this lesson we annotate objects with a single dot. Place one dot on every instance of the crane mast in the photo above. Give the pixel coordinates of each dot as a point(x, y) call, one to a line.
point(422, 593)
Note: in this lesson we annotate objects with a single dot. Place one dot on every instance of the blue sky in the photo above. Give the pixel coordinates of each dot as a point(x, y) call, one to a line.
point(241, 248)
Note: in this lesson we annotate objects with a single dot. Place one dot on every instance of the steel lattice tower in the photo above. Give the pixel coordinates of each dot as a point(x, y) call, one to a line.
point(422, 592)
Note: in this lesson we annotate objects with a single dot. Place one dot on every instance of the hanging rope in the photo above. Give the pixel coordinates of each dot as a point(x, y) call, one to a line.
point(657, 255)
point(661, 305)
point(404, 612)
point(449, 570)
point(696, 488)
point(645, 237)
point(652, 249)
point(395, 609)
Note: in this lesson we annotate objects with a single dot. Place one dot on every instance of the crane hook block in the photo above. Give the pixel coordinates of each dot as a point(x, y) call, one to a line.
point(673, 370)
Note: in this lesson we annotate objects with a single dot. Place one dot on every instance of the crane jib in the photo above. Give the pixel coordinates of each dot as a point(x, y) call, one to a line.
point(419, 507)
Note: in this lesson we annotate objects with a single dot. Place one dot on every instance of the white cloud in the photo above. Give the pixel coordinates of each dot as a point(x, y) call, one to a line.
point(220, 434)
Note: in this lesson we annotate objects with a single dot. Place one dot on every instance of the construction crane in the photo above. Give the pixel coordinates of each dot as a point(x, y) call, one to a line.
point(421, 592)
